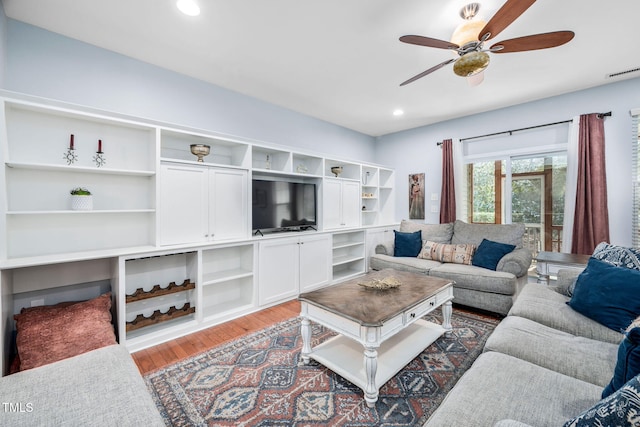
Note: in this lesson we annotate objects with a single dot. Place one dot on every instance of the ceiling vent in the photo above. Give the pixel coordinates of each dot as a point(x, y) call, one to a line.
point(621, 73)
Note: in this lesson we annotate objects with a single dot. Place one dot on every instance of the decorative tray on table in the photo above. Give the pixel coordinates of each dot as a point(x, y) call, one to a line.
point(381, 284)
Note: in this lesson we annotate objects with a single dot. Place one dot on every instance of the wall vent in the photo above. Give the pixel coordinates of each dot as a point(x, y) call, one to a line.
point(620, 73)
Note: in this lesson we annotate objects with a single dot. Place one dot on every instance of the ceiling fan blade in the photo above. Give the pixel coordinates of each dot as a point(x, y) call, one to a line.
point(534, 42)
point(429, 71)
point(429, 42)
point(508, 13)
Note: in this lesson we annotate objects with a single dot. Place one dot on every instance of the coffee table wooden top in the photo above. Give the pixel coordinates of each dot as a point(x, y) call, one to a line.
point(373, 307)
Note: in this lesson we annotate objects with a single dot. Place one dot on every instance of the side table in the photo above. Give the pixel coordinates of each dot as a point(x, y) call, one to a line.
point(549, 263)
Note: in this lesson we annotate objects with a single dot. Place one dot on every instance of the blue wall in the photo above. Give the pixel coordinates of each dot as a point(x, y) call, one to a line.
point(50, 65)
point(416, 151)
point(46, 64)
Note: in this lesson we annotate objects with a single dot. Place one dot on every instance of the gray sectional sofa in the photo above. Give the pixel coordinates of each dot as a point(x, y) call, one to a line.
point(102, 387)
point(543, 365)
point(475, 287)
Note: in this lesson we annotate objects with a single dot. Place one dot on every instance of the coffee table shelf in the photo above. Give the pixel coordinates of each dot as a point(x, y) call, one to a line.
point(344, 355)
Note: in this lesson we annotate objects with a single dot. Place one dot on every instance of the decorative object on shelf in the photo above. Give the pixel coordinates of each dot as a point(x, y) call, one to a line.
point(381, 284)
point(301, 168)
point(70, 155)
point(157, 317)
point(267, 164)
point(336, 170)
point(140, 294)
point(99, 158)
point(365, 178)
point(81, 199)
point(200, 150)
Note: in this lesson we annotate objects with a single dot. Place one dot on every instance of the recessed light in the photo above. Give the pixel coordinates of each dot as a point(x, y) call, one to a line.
point(188, 7)
point(398, 112)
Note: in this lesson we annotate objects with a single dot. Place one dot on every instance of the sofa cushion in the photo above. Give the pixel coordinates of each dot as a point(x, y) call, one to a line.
point(607, 294)
point(619, 256)
point(582, 358)
point(410, 264)
point(477, 278)
point(47, 334)
point(457, 254)
point(101, 387)
point(622, 408)
point(628, 362)
point(407, 244)
point(440, 233)
point(510, 234)
point(498, 387)
point(543, 305)
point(489, 254)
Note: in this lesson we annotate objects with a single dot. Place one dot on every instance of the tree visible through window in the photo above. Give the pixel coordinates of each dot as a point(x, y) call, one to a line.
point(537, 196)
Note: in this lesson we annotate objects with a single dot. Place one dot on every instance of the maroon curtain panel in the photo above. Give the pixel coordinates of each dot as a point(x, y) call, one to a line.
point(448, 195)
point(591, 220)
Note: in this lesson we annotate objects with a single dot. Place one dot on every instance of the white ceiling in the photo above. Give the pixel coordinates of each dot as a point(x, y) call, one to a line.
point(341, 61)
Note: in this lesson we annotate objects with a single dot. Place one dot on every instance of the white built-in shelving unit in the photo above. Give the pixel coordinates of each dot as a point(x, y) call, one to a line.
point(163, 219)
point(348, 258)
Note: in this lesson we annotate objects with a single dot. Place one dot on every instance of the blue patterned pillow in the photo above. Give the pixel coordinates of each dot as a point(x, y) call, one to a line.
point(622, 408)
point(619, 256)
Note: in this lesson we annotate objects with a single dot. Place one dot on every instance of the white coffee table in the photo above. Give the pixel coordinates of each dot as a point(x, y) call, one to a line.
point(385, 326)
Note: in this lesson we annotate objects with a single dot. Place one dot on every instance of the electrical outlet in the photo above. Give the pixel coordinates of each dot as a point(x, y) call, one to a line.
point(434, 196)
point(435, 208)
point(37, 302)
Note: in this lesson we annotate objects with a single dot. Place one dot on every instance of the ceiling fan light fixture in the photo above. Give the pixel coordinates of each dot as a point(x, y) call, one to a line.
point(471, 63)
point(188, 7)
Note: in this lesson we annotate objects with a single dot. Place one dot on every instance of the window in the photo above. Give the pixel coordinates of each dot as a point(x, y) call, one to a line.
point(525, 189)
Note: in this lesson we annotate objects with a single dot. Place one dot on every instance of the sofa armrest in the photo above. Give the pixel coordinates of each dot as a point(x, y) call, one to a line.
point(566, 281)
point(516, 262)
point(385, 248)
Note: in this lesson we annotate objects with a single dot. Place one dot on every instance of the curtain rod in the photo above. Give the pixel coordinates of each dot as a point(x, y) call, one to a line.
point(510, 132)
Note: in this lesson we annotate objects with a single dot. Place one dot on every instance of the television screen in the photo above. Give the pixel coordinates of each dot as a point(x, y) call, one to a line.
point(281, 205)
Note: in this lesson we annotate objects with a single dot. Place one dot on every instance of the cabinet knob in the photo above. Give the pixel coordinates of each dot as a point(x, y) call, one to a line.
point(432, 303)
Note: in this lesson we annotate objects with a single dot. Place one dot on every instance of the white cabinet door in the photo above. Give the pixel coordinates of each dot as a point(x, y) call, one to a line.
point(332, 203)
point(228, 205)
point(315, 262)
point(278, 270)
point(183, 204)
point(351, 204)
point(341, 203)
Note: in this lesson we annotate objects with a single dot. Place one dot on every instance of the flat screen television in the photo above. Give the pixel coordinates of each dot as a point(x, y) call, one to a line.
point(283, 205)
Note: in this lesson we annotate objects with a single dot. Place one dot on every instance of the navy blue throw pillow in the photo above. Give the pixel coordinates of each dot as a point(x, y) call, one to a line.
point(489, 253)
point(628, 364)
point(607, 294)
point(407, 244)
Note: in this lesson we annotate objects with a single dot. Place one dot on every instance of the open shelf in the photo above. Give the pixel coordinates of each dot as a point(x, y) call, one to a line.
point(176, 146)
point(348, 254)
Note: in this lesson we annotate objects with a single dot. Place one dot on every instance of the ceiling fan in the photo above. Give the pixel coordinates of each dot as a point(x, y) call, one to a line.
point(473, 58)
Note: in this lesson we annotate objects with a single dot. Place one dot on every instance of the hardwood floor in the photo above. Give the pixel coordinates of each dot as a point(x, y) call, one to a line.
point(173, 351)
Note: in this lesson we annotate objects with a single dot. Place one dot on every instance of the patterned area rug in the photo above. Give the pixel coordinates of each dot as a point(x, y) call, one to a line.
point(259, 380)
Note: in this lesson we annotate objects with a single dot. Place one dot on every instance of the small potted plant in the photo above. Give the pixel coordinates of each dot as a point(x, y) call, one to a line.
point(81, 199)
